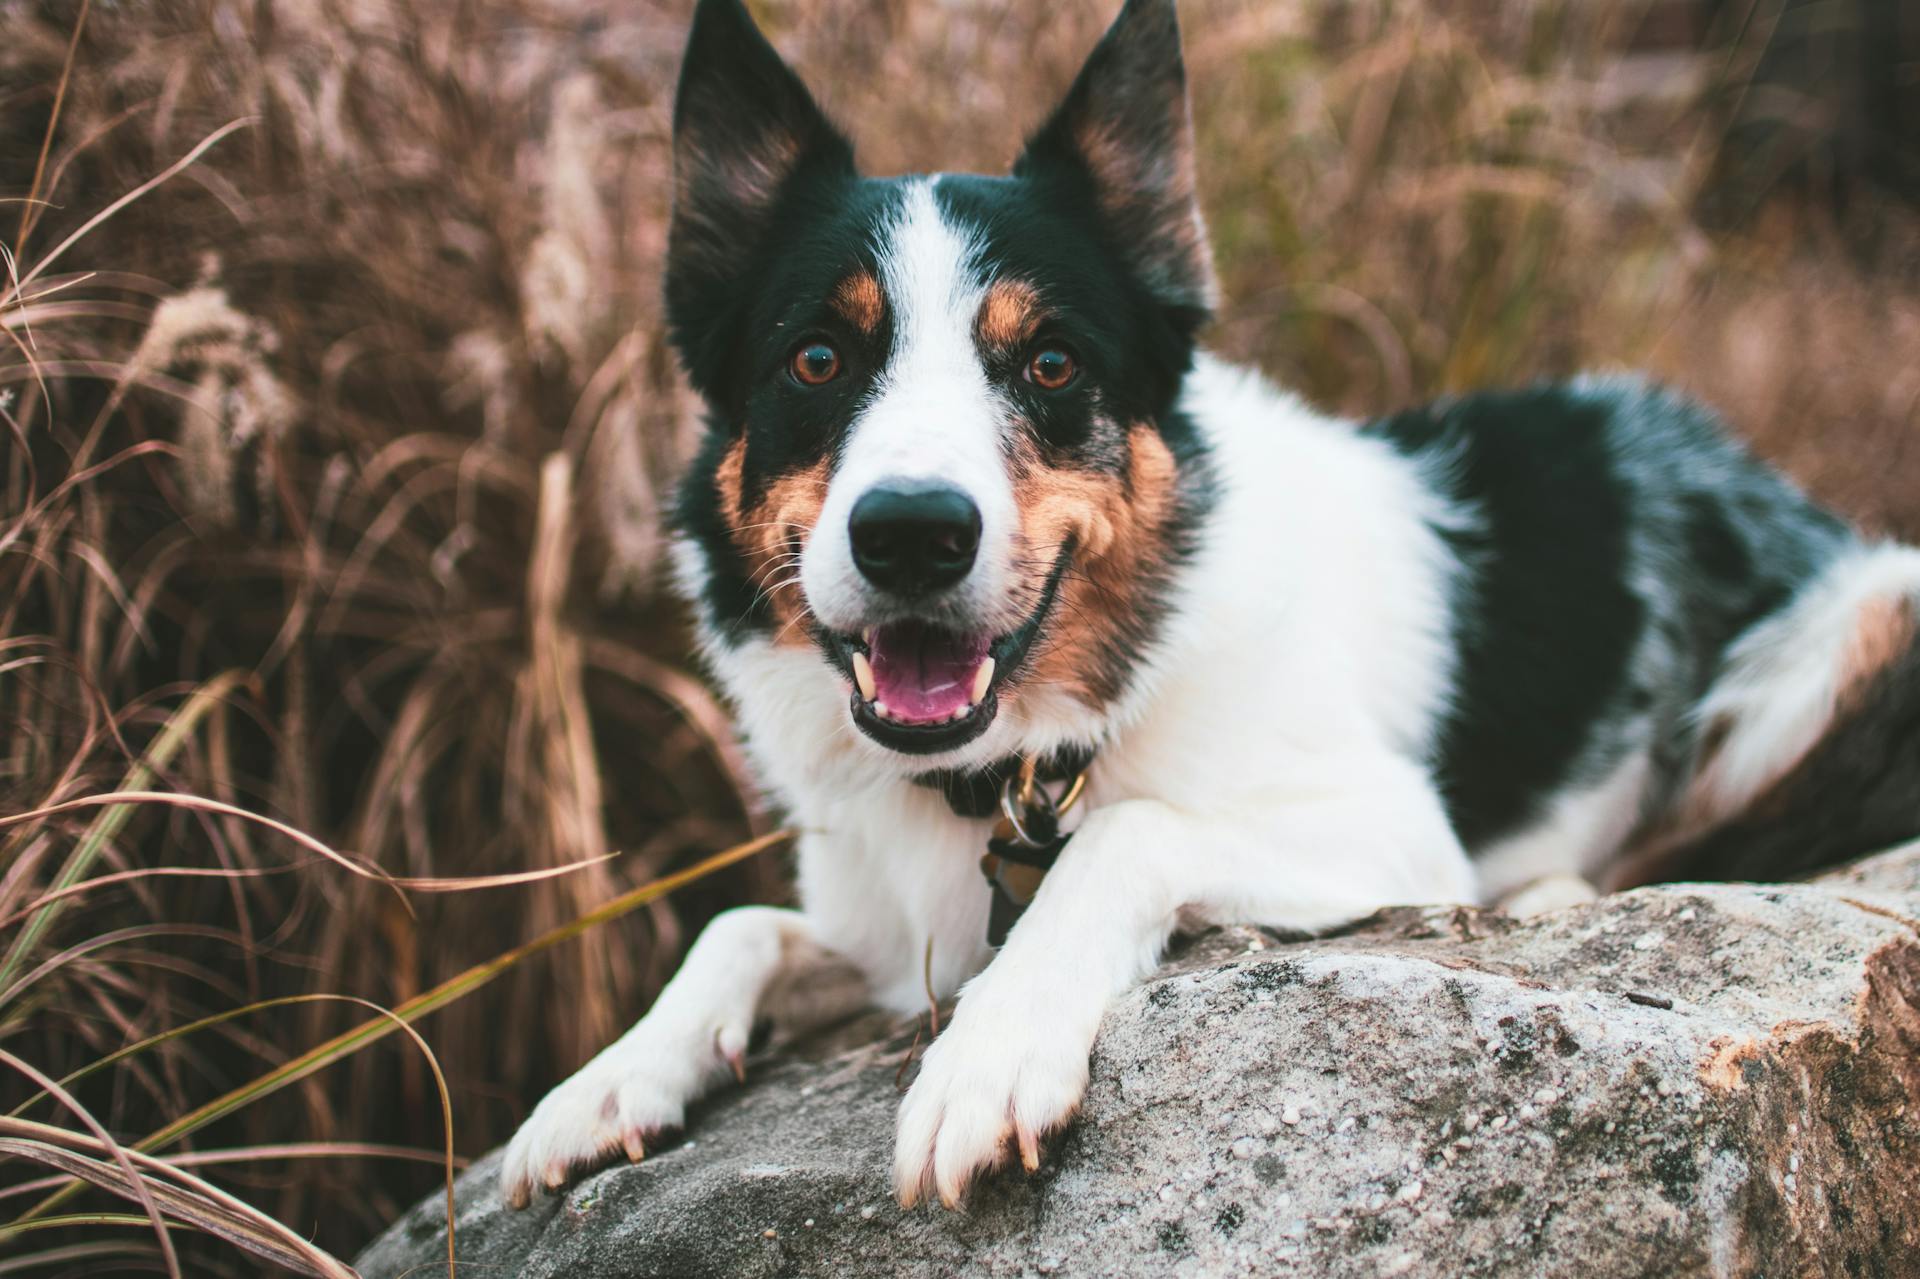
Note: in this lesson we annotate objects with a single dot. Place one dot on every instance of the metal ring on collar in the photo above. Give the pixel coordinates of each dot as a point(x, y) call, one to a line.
point(1022, 794)
point(1014, 808)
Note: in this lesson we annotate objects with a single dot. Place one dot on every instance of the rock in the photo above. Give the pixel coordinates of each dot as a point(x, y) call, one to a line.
point(1458, 1094)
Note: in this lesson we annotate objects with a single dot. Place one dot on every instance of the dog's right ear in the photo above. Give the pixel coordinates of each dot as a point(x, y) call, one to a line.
point(745, 132)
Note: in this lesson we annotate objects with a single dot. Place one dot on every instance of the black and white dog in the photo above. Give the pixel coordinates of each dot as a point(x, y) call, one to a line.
point(976, 530)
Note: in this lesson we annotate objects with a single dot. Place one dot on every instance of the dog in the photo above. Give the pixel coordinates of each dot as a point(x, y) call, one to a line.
point(1004, 575)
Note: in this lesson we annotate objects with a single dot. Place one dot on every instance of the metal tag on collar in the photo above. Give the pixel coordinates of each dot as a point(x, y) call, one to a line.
point(1026, 840)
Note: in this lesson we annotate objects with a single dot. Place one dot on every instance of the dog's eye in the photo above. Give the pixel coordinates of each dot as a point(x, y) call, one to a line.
point(1051, 368)
point(815, 363)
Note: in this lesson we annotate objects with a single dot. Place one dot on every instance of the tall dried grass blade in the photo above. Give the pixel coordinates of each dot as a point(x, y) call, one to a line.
point(141, 1192)
point(454, 988)
point(176, 1033)
point(32, 202)
point(43, 1261)
point(221, 1208)
point(195, 1203)
point(290, 1150)
point(179, 727)
point(117, 800)
point(184, 162)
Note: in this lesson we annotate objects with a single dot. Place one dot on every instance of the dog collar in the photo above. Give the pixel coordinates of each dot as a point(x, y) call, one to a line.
point(1026, 838)
point(976, 792)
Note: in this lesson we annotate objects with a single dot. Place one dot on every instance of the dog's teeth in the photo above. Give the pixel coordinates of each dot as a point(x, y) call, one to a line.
point(982, 678)
point(866, 637)
point(880, 709)
point(863, 676)
point(960, 714)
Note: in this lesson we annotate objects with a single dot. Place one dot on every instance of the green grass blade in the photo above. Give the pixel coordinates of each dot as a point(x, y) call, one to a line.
point(100, 832)
point(70, 1221)
point(374, 1029)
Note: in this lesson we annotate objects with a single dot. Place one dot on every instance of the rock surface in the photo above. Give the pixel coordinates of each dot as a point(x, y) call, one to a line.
point(1682, 1080)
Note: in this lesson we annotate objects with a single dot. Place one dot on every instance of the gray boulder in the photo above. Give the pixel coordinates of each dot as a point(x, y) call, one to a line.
point(1682, 1080)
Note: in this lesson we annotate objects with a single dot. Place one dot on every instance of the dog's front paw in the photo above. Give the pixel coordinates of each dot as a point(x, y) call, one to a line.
point(582, 1123)
point(1006, 1073)
point(621, 1101)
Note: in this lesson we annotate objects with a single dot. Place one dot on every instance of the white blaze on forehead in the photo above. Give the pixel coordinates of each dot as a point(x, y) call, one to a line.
point(933, 409)
point(934, 413)
point(927, 267)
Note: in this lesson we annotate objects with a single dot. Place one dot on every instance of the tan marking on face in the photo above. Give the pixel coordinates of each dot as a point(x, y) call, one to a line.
point(771, 533)
point(859, 299)
point(726, 481)
point(1008, 316)
point(1118, 526)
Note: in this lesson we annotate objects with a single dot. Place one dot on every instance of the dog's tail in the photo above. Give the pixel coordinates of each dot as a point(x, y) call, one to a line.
point(1810, 736)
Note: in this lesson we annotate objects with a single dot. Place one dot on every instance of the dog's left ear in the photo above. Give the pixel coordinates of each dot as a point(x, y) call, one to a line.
point(1124, 137)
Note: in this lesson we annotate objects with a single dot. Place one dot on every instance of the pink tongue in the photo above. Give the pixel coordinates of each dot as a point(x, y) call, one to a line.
point(921, 674)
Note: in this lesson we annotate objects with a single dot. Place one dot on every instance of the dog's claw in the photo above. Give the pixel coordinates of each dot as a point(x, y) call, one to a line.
point(1003, 1074)
point(729, 1045)
point(620, 1103)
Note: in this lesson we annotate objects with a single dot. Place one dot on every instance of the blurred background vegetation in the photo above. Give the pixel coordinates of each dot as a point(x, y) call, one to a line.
point(301, 300)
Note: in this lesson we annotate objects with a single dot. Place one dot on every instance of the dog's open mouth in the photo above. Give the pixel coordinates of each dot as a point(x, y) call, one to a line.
point(920, 688)
point(917, 674)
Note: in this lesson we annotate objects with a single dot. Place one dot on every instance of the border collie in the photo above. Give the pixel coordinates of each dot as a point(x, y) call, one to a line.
point(987, 554)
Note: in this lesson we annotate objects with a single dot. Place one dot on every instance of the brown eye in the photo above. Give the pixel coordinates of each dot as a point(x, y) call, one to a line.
point(815, 363)
point(1051, 369)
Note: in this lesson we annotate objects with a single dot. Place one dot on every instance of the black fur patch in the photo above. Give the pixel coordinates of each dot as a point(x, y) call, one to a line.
point(750, 148)
point(1614, 541)
point(1546, 623)
point(1134, 350)
point(741, 299)
point(753, 152)
point(745, 336)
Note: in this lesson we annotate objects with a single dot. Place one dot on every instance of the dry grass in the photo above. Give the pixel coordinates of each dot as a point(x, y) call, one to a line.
point(369, 404)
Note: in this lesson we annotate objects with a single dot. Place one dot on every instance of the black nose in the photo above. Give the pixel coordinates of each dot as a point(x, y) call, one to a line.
point(914, 537)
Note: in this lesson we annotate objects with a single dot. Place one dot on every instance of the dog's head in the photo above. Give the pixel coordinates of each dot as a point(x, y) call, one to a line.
point(944, 452)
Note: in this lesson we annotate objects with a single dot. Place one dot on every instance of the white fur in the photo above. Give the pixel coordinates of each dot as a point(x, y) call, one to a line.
point(1267, 765)
point(934, 416)
point(1013, 1063)
point(1780, 683)
point(695, 1033)
point(1573, 840)
point(1269, 762)
point(1549, 893)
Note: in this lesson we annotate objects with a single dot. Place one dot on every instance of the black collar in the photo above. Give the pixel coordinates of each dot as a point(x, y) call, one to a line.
point(976, 792)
